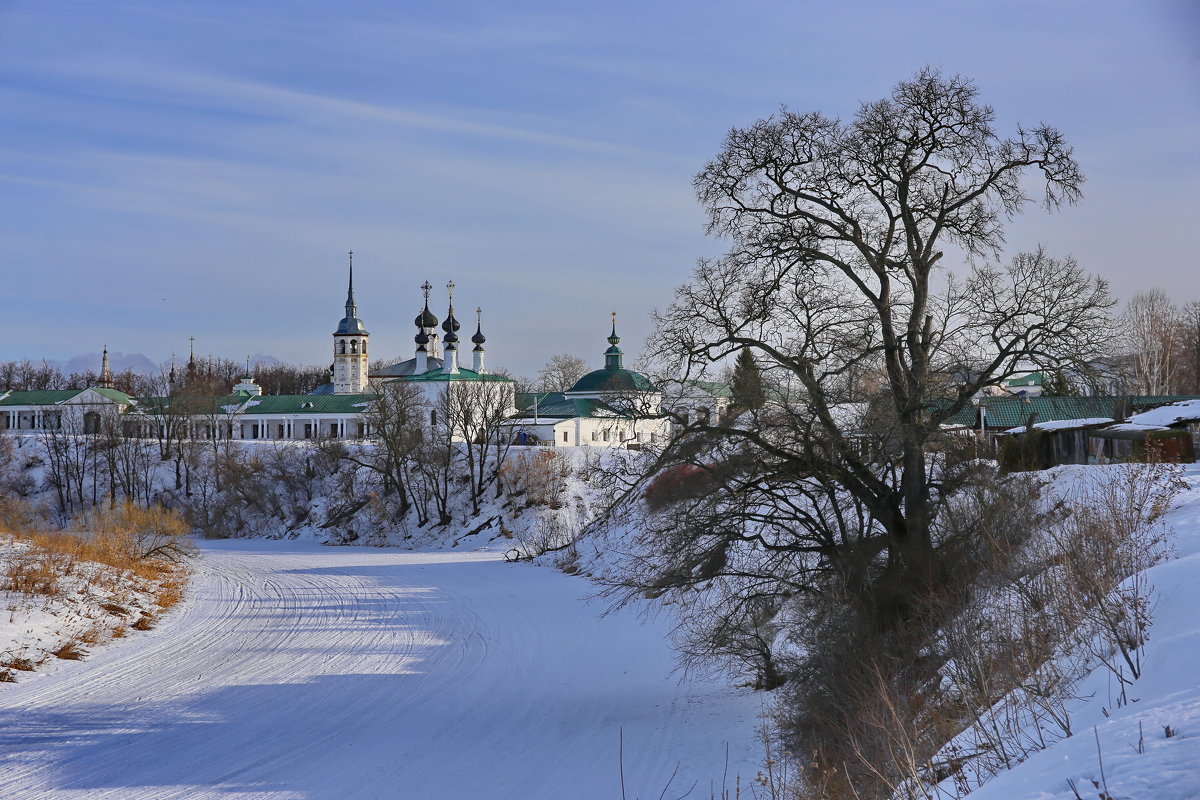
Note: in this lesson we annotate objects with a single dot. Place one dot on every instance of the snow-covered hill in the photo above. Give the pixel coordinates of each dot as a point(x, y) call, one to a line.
point(1148, 749)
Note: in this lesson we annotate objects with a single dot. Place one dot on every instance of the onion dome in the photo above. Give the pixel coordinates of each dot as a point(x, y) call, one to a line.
point(426, 319)
point(478, 338)
point(451, 325)
point(422, 338)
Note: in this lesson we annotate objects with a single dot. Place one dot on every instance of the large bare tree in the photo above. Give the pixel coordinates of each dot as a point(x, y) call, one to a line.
point(839, 233)
point(866, 275)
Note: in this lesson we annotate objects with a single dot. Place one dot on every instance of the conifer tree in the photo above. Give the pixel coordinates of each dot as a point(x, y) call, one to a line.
point(748, 391)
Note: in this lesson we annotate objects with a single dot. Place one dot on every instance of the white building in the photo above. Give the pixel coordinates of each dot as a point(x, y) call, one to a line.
point(608, 407)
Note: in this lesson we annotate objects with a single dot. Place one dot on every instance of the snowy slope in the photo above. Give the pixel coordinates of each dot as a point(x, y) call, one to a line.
point(1168, 694)
point(299, 671)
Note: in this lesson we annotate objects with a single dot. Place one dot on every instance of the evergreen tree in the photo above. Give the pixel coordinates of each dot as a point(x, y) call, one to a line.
point(1057, 385)
point(748, 391)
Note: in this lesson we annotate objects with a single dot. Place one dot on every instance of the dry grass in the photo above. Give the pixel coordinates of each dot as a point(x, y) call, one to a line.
point(20, 663)
point(129, 558)
point(70, 650)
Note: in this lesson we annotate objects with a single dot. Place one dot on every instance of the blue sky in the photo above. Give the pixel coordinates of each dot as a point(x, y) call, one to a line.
point(175, 169)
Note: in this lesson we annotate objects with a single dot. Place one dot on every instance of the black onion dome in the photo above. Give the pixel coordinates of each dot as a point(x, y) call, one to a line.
point(426, 319)
point(422, 338)
point(478, 338)
point(451, 325)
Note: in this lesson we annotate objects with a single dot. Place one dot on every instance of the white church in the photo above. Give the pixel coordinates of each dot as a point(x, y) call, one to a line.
point(609, 407)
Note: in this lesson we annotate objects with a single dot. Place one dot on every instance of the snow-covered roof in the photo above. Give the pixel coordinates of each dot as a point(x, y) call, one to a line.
point(1063, 424)
point(1133, 427)
point(1185, 411)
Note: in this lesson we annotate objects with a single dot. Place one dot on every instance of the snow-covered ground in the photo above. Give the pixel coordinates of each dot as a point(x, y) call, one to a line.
point(299, 671)
point(1167, 695)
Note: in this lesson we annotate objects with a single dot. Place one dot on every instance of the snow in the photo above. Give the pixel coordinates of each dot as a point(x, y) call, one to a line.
point(299, 671)
point(1169, 415)
point(1063, 424)
point(91, 602)
point(1168, 694)
point(1134, 427)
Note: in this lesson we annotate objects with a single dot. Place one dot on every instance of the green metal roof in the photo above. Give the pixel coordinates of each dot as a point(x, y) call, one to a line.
point(437, 376)
point(1032, 379)
point(308, 404)
point(715, 388)
point(554, 405)
point(612, 380)
point(45, 397)
point(113, 394)
point(1012, 412)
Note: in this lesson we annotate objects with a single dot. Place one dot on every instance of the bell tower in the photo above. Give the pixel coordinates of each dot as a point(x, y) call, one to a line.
point(350, 347)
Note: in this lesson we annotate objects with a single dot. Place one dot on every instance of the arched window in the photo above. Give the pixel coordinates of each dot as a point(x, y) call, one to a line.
point(364, 347)
point(433, 417)
point(354, 346)
point(342, 347)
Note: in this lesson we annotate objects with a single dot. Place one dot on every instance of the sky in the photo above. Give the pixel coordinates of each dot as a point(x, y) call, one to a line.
point(172, 169)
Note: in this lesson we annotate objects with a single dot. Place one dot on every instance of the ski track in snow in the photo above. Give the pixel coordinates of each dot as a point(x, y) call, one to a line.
point(298, 671)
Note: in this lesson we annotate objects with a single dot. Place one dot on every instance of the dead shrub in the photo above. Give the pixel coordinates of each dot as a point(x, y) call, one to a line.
point(70, 650)
point(20, 663)
point(540, 479)
point(144, 622)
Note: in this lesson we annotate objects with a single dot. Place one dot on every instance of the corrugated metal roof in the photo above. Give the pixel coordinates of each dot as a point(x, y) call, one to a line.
point(45, 397)
point(308, 404)
point(1012, 412)
point(463, 374)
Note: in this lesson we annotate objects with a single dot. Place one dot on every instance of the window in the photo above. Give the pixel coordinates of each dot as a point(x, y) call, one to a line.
point(606, 434)
point(433, 417)
point(354, 346)
point(364, 349)
point(564, 436)
point(595, 436)
point(342, 347)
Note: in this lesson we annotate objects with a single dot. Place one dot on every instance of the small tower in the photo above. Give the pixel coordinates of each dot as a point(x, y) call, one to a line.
point(450, 326)
point(350, 347)
point(613, 356)
point(477, 354)
point(106, 378)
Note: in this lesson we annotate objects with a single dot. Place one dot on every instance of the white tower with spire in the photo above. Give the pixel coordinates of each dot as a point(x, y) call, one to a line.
point(350, 347)
point(477, 362)
point(450, 326)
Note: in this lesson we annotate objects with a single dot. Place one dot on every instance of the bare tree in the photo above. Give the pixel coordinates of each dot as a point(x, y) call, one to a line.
point(561, 372)
point(1152, 329)
point(840, 234)
point(478, 411)
point(396, 419)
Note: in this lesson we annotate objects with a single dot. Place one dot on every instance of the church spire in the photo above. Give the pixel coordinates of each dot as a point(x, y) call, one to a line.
point(351, 325)
point(106, 379)
point(351, 306)
point(613, 356)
